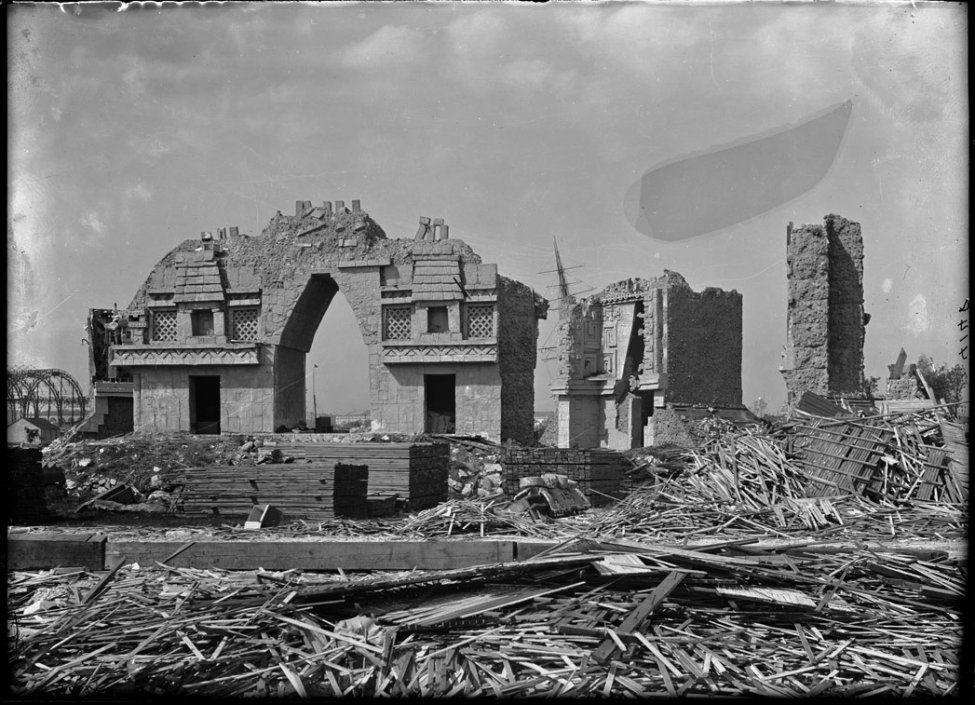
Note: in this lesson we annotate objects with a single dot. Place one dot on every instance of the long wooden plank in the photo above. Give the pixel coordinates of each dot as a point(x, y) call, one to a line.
point(315, 555)
point(634, 619)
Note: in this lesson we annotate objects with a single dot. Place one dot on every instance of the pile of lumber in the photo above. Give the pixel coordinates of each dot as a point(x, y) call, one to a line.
point(321, 490)
point(596, 618)
point(417, 472)
point(599, 473)
point(750, 483)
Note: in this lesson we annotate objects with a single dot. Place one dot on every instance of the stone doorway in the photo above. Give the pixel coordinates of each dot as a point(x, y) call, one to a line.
point(205, 404)
point(439, 393)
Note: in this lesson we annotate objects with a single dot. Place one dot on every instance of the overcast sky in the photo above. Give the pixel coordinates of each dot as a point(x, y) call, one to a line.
point(132, 131)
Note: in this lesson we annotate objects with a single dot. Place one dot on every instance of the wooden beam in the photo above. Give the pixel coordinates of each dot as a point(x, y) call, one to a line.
point(634, 619)
point(314, 555)
point(42, 551)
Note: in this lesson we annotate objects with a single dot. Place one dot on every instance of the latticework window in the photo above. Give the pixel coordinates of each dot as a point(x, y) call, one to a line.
point(163, 325)
point(480, 320)
point(243, 323)
point(397, 322)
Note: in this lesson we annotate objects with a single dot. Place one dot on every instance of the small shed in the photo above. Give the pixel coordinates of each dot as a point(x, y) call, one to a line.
point(32, 432)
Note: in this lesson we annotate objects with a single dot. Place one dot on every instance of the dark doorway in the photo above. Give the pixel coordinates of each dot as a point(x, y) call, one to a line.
point(204, 404)
point(441, 405)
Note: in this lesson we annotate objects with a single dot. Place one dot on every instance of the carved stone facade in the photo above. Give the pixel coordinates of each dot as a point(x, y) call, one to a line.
point(637, 346)
point(223, 325)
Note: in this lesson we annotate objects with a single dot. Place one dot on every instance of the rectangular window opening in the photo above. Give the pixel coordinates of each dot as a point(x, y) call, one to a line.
point(202, 322)
point(437, 319)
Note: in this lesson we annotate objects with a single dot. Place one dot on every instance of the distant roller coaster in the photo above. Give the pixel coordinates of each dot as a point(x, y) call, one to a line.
point(48, 394)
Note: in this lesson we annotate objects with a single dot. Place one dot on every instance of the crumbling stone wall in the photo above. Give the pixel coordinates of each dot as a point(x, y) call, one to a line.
point(668, 428)
point(637, 345)
point(807, 353)
point(703, 346)
point(518, 311)
point(825, 318)
point(846, 316)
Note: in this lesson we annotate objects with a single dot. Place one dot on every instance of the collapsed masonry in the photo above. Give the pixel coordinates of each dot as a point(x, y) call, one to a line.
point(640, 345)
point(824, 351)
point(216, 339)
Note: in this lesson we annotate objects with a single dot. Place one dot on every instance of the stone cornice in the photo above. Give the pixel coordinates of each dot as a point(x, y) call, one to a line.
point(154, 355)
point(456, 353)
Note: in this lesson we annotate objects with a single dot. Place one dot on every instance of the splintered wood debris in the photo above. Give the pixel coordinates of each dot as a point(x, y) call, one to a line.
point(727, 619)
point(788, 589)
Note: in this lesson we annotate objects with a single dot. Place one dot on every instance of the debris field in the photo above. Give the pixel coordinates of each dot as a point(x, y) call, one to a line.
point(723, 569)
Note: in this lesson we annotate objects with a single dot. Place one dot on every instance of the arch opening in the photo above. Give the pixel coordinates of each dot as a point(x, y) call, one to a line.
point(323, 378)
point(337, 371)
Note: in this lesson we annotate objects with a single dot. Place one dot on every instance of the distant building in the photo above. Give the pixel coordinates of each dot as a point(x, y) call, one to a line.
point(344, 421)
point(32, 432)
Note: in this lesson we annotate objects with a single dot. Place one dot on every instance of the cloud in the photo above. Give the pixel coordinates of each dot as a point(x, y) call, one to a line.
point(138, 191)
point(535, 74)
point(135, 77)
point(93, 222)
point(917, 312)
point(486, 53)
point(388, 47)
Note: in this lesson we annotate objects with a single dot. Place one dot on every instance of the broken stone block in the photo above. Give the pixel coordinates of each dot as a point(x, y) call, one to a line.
point(263, 515)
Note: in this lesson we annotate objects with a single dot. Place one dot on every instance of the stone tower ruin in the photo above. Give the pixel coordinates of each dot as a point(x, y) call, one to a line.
point(824, 349)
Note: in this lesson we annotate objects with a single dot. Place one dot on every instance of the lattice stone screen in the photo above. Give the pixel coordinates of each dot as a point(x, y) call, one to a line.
point(243, 323)
point(397, 322)
point(480, 320)
point(164, 325)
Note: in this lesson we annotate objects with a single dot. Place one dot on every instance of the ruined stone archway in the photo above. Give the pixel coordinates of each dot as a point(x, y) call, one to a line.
point(245, 310)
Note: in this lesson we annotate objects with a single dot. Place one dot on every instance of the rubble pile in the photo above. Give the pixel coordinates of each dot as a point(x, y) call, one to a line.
point(142, 461)
point(590, 618)
point(475, 470)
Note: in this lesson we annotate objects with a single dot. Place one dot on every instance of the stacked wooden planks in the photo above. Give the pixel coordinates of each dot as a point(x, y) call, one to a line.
point(599, 472)
point(322, 490)
point(893, 459)
point(956, 444)
point(841, 458)
point(417, 472)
